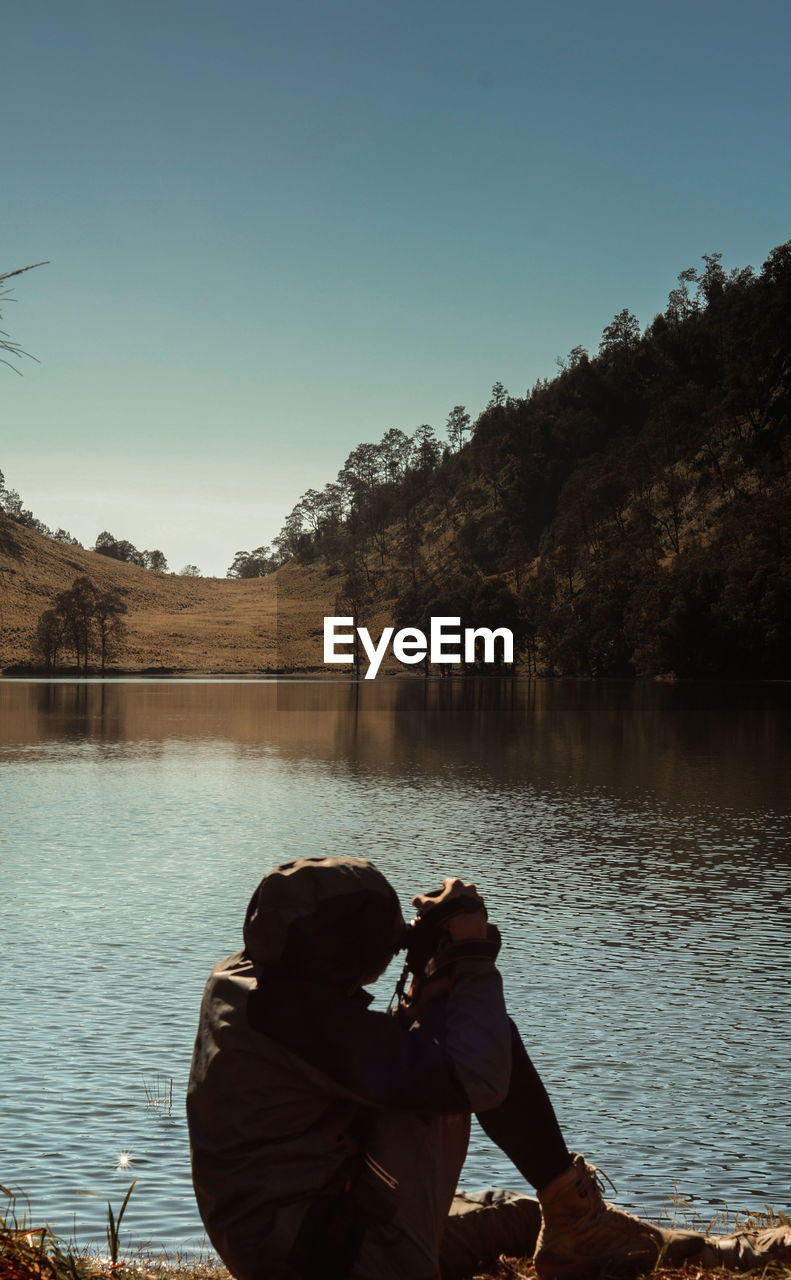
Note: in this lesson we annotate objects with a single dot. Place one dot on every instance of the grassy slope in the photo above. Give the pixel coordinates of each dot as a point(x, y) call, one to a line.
point(197, 625)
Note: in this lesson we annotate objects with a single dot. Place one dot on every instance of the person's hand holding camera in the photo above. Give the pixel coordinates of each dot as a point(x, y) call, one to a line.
point(467, 921)
point(450, 926)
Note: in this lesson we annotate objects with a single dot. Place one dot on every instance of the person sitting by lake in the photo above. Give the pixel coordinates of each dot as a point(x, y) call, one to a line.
point(327, 1138)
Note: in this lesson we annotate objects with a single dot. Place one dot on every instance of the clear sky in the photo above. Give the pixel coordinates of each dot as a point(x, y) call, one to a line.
point(276, 229)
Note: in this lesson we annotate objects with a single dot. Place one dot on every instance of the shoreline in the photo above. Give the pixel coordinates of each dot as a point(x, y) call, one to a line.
point(37, 1254)
point(320, 674)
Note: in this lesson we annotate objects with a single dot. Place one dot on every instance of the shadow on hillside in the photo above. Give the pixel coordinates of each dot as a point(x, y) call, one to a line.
point(9, 543)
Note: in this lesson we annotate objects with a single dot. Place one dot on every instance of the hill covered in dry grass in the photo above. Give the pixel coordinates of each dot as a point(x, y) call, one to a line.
point(173, 624)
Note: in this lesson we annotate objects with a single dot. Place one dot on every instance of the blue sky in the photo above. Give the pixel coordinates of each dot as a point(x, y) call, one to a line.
point(278, 229)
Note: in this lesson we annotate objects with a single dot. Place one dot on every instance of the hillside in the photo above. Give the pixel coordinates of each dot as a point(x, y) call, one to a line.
point(630, 517)
point(187, 625)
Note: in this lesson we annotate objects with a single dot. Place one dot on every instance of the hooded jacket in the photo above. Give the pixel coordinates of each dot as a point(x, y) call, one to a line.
point(290, 1063)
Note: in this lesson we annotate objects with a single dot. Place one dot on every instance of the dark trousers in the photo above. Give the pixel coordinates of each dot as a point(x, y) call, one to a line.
point(403, 1220)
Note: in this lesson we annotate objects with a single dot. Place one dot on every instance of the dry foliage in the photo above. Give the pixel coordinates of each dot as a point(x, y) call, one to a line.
point(174, 624)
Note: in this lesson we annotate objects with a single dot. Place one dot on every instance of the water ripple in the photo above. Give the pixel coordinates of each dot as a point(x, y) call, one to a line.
point(645, 934)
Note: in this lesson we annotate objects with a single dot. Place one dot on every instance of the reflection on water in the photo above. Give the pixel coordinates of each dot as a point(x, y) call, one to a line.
point(632, 840)
point(734, 739)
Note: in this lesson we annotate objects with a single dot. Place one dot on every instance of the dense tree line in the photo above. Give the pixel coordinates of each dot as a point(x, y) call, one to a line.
point(337, 521)
point(120, 549)
point(631, 515)
point(253, 564)
point(84, 621)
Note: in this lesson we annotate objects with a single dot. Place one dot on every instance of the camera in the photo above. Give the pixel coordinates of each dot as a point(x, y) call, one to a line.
point(421, 937)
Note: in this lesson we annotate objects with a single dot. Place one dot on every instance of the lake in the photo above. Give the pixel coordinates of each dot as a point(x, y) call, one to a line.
point(633, 842)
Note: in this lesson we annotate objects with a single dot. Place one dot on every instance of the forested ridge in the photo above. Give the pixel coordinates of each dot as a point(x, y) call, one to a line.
point(632, 516)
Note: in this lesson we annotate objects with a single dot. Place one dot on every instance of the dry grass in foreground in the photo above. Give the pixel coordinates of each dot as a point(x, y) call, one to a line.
point(13, 1266)
point(36, 1254)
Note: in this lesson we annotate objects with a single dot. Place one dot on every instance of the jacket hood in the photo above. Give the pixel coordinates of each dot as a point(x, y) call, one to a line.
point(331, 920)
